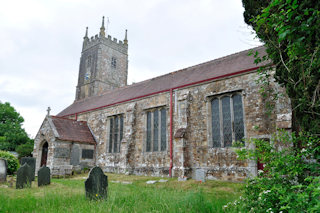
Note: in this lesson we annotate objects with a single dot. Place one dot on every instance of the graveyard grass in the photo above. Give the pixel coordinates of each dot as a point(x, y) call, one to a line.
point(68, 195)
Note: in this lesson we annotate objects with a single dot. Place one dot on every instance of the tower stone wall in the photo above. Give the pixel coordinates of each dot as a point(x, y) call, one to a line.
point(103, 65)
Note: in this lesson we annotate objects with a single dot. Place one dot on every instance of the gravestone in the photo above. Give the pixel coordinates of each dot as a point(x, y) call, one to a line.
point(31, 162)
point(75, 155)
point(200, 175)
point(43, 176)
point(3, 170)
point(24, 176)
point(97, 184)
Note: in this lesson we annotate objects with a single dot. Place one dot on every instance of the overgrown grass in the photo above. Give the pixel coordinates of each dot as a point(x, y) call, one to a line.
point(68, 195)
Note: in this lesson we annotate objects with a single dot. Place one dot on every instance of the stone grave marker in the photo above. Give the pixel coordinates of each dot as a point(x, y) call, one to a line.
point(31, 162)
point(24, 176)
point(200, 175)
point(97, 184)
point(3, 170)
point(75, 155)
point(43, 176)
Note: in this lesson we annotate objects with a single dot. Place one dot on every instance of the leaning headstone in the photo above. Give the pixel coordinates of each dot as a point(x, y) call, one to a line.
point(97, 184)
point(3, 170)
point(43, 176)
point(24, 176)
point(75, 155)
point(200, 175)
point(31, 162)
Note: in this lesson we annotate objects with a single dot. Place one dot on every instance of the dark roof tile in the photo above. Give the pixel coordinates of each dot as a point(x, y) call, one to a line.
point(218, 68)
point(71, 130)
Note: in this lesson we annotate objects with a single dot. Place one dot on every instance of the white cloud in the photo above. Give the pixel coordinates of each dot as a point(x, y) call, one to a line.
point(42, 40)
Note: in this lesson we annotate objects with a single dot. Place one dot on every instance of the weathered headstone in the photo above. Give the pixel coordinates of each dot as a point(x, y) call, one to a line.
point(31, 162)
point(97, 184)
point(200, 175)
point(3, 170)
point(24, 176)
point(43, 176)
point(75, 155)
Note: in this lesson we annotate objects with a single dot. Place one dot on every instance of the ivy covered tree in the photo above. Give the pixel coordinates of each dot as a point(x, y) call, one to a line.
point(290, 181)
point(11, 132)
point(291, 34)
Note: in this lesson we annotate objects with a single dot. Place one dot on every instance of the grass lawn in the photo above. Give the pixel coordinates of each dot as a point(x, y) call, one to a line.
point(68, 195)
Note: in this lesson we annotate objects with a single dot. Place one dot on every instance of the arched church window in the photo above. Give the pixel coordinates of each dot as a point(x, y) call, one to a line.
point(115, 133)
point(227, 121)
point(156, 134)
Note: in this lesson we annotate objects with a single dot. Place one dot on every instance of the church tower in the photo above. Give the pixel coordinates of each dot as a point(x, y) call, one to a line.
point(103, 64)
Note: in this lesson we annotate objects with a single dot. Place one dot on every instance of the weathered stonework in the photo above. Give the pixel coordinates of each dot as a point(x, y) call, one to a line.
point(59, 156)
point(191, 112)
point(184, 100)
point(103, 65)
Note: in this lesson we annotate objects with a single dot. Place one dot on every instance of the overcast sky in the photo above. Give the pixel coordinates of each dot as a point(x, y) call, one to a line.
point(41, 43)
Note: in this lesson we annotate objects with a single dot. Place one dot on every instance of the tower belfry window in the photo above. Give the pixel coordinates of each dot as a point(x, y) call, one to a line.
point(89, 61)
point(113, 62)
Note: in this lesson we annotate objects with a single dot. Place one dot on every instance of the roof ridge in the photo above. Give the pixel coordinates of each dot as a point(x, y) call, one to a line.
point(167, 74)
point(197, 65)
point(54, 116)
point(228, 65)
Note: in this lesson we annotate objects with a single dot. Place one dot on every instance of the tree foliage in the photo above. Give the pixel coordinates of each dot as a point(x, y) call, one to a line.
point(25, 150)
point(290, 181)
point(11, 132)
point(291, 33)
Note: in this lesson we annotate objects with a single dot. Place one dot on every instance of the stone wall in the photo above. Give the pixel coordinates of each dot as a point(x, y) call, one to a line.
point(61, 154)
point(96, 73)
point(192, 147)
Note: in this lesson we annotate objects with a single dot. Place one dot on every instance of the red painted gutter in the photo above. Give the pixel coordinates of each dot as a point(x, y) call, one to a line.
point(171, 133)
point(166, 90)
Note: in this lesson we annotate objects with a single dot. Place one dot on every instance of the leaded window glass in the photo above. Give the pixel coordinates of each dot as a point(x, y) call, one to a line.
point(155, 130)
point(148, 147)
point(227, 123)
point(115, 147)
point(163, 129)
point(226, 120)
point(111, 135)
point(238, 117)
point(156, 135)
point(215, 122)
point(115, 133)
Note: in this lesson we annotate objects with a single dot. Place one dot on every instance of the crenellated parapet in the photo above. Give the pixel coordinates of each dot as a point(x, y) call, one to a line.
point(103, 64)
point(114, 43)
point(101, 38)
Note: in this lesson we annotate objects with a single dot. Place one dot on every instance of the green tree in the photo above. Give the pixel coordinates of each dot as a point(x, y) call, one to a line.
point(25, 150)
point(291, 33)
point(11, 132)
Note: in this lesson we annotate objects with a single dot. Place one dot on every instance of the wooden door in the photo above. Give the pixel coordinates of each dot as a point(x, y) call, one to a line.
point(44, 154)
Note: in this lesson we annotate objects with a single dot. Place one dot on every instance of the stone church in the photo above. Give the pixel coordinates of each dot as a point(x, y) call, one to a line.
point(181, 124)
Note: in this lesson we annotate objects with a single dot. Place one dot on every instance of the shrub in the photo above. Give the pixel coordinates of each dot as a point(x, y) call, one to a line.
point(290, 181)
point(12, 161)
point(25, 150)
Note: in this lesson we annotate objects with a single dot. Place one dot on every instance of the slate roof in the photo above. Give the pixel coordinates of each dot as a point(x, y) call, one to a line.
point(226, 66)
point(71, 130)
